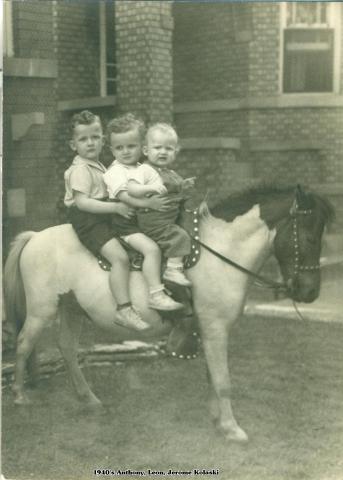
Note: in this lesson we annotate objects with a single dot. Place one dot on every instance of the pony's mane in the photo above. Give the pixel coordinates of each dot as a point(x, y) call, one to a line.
point(324, 205)
point(242, 201)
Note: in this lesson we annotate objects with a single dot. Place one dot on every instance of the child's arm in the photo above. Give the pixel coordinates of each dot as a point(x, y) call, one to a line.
point(187, 186)
point(138, 191)
point(91, 205)
point(155, 202)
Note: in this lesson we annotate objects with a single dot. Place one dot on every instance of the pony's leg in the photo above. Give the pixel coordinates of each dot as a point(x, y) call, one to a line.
point(26, 342)
point(69, 335)
point(215, 347)
point(213, 400)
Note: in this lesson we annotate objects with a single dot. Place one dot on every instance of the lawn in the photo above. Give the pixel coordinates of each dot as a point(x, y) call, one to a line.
point(287, 379)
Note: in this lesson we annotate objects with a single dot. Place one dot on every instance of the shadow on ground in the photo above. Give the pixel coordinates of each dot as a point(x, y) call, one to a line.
point(287, 379)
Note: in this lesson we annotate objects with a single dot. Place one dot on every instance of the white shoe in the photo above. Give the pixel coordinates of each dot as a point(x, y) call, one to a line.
point(160, 301)
point(176, 275)
point(129, 317)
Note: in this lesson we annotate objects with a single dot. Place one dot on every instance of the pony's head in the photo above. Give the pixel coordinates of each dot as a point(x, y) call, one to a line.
point(297, 244)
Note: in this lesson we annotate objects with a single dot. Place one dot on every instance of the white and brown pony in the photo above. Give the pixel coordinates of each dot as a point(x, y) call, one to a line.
point(43, 266)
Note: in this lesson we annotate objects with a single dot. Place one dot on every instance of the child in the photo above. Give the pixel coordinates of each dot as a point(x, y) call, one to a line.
point(125, 137)
point(90, 214)
point(155, 176)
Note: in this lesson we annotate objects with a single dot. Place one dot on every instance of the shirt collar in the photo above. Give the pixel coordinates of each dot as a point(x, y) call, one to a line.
point(159, 169)
point(92, 163)
point(115, 162)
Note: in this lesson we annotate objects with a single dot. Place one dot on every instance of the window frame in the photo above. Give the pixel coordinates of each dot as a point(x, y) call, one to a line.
point(8, 39)
point(103, 51)
point(334, 20)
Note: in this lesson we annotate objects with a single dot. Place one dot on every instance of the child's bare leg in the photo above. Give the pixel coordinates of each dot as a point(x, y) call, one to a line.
point(127, 315)
point(119, 275)
point(152, 257)
point(152, 271)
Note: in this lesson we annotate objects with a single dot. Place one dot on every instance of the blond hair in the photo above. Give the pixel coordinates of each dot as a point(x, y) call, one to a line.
point(164, 128)
point(125, 123)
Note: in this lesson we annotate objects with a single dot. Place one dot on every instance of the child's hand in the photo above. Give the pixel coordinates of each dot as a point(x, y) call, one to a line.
point(124, 210)
point(160, 203)
point(161, 189)
point(188, 183)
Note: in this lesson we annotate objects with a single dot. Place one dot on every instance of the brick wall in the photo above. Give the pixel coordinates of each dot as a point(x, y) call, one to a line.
point(264, 50)
point(210, 61)
point(218, 51)
point(144, 58)
point(77, 49)
point(32, 29)
point(29, 161)
point(209, 66)
point(216, 171)
point(324, 125)
point(143, 55)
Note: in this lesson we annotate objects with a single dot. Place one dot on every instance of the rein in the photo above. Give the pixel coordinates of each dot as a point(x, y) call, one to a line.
point(268, 282)
point(277, 286)
point(260, 280)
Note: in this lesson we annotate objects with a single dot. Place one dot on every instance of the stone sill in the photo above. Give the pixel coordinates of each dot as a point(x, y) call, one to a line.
point(30, 68)
point(330, 189)
point(286, 146)
point(87, 102)
point(291, 100)
point(204, 143)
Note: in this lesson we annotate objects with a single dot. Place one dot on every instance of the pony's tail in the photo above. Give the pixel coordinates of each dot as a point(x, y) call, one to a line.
point(14, 294)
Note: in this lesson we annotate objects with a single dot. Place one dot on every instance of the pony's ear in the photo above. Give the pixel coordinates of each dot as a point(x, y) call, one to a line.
point(302, 199)
point(204, 211)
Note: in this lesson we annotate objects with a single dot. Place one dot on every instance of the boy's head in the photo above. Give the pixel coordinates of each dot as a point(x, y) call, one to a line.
point(162, 145)
point(87, 136)
point(125, 135)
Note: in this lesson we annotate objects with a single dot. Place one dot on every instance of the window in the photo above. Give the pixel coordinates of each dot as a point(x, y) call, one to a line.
point(8, 50)
point(108, 71)
point(310, 47)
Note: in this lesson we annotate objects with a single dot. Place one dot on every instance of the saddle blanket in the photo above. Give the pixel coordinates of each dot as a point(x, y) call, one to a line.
point(189, 221)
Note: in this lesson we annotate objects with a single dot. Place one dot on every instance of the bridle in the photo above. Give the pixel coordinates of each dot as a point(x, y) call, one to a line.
point(294, 213)
point(261, 280)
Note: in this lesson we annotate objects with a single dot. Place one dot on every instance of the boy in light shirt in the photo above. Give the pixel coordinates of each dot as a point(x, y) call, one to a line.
point(125, 136)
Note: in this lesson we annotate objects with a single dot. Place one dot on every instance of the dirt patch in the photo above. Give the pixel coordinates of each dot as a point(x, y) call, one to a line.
point(287, 394)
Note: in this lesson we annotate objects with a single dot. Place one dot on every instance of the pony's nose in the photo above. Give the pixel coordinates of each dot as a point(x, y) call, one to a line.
point(302, 292)
point(310, 295)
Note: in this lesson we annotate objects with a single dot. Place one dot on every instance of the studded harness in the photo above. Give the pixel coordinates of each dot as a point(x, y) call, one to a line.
point(295, 212)
point(194, 256)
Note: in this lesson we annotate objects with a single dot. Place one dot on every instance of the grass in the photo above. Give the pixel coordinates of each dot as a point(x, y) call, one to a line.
point(287, 394)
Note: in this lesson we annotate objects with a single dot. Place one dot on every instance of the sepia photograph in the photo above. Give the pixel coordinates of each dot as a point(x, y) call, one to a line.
point(172, 239)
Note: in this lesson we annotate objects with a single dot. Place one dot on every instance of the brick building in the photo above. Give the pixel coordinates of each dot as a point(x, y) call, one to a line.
point(254, 89)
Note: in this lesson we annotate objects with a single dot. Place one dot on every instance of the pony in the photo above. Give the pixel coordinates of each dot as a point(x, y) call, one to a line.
point(248, 227)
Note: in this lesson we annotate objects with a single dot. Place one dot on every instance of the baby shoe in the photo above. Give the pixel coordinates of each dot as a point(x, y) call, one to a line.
point(130, 317)
point(176, 275)
point(160, 301)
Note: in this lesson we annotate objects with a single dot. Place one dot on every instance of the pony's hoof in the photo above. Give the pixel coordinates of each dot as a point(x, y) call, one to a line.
point(232, 433)
point(22, 400)
point(236, 435)
point(93, 404)
point(94, 409)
